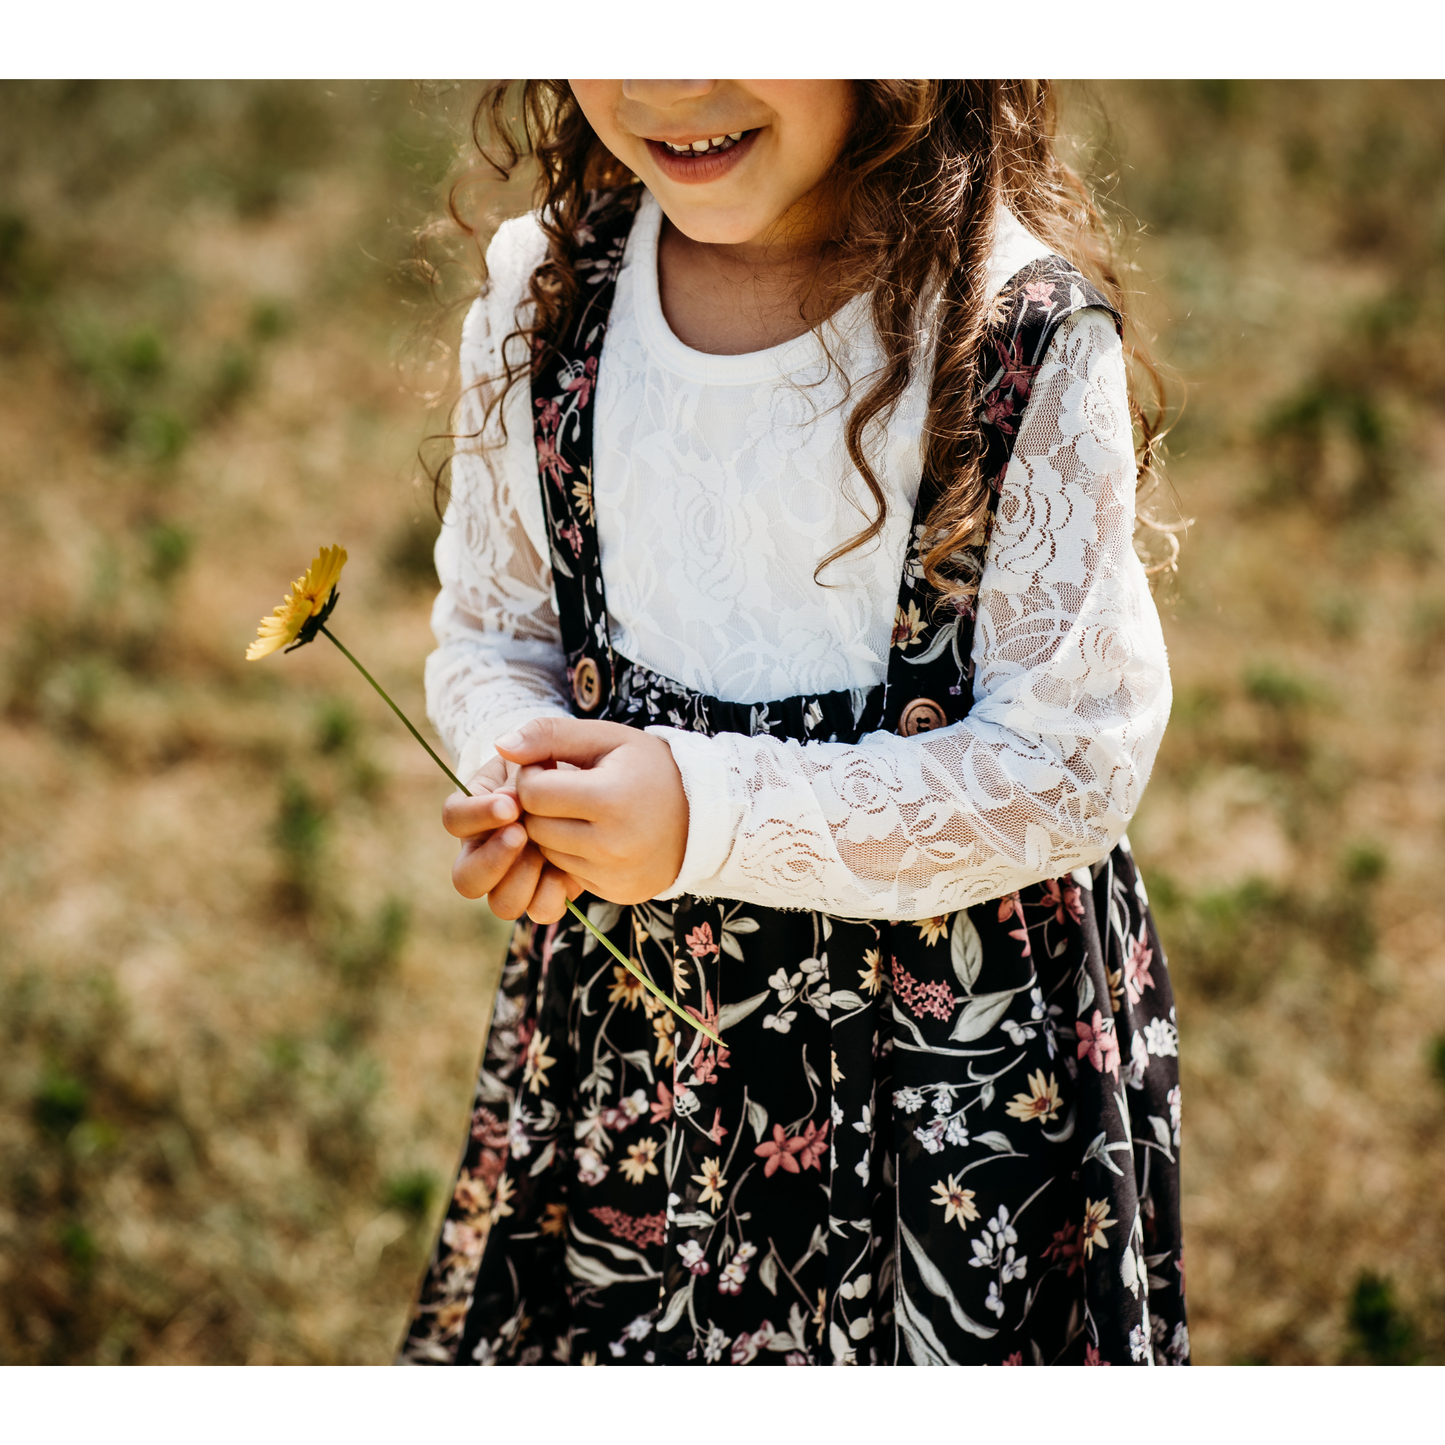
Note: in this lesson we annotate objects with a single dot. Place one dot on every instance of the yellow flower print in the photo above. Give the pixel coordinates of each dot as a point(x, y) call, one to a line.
point(1042, 1102)
point(1096, 1221)
point(534, 1071)
point(712, 1182)
point(639, 1162)
point(308, 598)
point(626, 988)
point(820, 1317)
point(907, 627)
point(871, 978)
point(554, 1219)
point(1116, 987)
point(956, 1202)
point(501, 1206)
point(590, 1358)
point(582, 494)
point(837, 1072)
point(930, 930)
point(664, 1028)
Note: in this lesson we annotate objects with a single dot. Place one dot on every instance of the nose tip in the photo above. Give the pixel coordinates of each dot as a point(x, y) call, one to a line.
point(666, 92)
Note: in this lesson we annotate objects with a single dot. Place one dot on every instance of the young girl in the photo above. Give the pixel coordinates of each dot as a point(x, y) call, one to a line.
point(790, 619)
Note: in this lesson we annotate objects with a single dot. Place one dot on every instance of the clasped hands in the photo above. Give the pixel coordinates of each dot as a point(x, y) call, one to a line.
point(569, 806)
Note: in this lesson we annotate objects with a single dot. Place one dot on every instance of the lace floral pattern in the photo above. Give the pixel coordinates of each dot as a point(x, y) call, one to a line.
point(1070, 674)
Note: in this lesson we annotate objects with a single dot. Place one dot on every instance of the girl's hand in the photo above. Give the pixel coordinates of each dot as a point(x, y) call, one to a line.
point(616, 819)
point(497, 859)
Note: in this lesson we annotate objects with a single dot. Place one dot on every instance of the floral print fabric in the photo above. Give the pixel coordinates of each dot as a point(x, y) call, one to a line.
point(946, 1141)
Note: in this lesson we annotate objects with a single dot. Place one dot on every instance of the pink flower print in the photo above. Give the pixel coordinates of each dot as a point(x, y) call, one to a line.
point(1068, 1248)
point(662, 1109)
point(1099, 1044)
point(700, 942)
point(1091, 1356)
point(999, 407)
point(717, 1133)
point(1011, 904)
point(572, 535)
point(781, 1152)
point(815, 1142)
point(582, 385)
point(1136, 969)
point(1017, 1358)
point(1074, 902)
point(935, 999)
point(1016, 376)
point(1040, 293)
point(549, 461)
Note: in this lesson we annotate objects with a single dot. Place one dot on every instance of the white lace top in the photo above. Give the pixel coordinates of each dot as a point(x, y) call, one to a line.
point(719, 483)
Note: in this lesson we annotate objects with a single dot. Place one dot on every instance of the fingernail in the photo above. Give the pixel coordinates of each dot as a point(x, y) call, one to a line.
point(510, 741)
point(514, 837)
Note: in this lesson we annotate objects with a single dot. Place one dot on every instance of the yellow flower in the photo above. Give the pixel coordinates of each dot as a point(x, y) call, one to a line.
point(505, 1191)
point(638, 1164)
point(1096, 1221)
point(534, 1071)
point(1042, 1102)
point(820, 1317)
point(930, 930)
point(871, 978)
point(838, 1074)
point(664, 1028)
point(627, 988)
point(554, 1219)
point(712, 1182)
point(956, 1202)
point(304, 608)
point(907, 627)
point(582, 494)
point(1116, 987)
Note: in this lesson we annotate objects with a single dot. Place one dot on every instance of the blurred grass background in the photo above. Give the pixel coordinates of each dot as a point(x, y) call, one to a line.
point(240, 1005)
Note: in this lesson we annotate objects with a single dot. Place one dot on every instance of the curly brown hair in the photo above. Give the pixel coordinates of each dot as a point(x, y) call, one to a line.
point(913, 197)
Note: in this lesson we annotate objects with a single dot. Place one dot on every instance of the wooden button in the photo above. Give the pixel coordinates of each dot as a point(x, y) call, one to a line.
point(921, 715)
point(587, 685)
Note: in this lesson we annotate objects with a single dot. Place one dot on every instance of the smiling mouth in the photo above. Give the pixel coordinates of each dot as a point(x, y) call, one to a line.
point(694, 150)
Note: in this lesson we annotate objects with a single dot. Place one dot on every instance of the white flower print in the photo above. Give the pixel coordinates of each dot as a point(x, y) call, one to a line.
point(909, 1100)
point(994, 1300)
point(1161, 1037)
point(714, 1345)
point(956, 1133)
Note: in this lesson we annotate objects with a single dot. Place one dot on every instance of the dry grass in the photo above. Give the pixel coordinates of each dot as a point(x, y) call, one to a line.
point(240, 1004)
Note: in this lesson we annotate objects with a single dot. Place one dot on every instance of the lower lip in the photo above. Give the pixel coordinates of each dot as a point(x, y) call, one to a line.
point(698, 169)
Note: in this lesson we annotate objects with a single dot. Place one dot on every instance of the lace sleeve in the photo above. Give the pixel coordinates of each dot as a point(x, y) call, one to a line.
point(499, 658)
point(1071, 698)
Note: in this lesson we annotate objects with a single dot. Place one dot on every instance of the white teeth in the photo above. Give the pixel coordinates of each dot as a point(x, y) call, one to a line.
point(717, 140)
point(700, 145)
point(736, 135)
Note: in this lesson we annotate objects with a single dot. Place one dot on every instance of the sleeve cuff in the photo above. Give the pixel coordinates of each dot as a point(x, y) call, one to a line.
point(714, 815)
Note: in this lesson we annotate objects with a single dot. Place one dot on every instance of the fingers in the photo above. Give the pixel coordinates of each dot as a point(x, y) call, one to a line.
point(484, 862)
point(465, 817)
point(563, 739)
point(510, 895)
point(549, 902)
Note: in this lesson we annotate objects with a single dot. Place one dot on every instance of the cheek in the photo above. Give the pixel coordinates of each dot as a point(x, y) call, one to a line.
point(599, 100)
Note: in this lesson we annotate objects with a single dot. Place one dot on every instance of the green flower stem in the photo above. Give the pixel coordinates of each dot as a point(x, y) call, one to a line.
point(381, 692)
point(647, 983)
point(576, 912)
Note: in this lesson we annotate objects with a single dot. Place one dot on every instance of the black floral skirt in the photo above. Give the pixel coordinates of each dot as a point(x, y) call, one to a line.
point(952, 1141)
